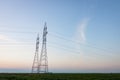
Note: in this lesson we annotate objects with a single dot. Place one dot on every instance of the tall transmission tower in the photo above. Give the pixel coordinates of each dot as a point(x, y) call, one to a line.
point(35, 66)
point(43, 65)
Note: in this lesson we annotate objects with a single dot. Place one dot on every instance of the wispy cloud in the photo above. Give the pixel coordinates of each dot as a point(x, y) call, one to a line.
point(80, 32)
point(6, 38)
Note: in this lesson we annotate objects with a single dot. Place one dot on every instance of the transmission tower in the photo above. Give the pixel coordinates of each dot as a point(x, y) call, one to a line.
point(43, 65)
point(35, 66)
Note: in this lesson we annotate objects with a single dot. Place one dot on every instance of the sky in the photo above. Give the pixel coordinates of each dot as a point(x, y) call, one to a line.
point(83, 35)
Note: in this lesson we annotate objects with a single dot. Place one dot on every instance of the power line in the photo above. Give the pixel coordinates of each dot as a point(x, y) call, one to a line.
point(74, 52)
point(58, 35)
point(67, 48)
point(23, 32)
point(53, 44)
point(78, 43)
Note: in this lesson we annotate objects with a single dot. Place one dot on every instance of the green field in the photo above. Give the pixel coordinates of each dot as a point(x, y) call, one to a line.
point(59, 76)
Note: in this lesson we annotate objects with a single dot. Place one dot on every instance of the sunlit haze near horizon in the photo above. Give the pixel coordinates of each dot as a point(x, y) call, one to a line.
point(83, 35)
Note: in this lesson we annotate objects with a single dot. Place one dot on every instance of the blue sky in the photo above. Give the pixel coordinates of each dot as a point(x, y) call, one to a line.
point(83, 35)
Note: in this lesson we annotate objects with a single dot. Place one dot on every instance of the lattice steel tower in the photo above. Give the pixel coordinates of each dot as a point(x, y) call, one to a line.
point(35, 66)
point(43, 65)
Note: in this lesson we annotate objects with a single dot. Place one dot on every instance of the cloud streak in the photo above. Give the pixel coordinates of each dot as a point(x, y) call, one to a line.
point(6, 38)
point(80, 32)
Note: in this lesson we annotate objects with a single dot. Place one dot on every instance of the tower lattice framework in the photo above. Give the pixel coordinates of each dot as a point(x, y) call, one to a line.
point(43, 65)
point(35, 66)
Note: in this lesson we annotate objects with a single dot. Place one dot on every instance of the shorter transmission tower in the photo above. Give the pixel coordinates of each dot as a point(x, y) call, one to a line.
point(43, 66)
point(35, 66)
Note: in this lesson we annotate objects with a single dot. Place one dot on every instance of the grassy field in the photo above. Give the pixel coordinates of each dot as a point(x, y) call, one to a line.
point(57, 76)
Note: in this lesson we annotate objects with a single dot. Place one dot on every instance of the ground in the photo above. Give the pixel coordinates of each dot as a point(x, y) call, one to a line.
point(60, 76)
